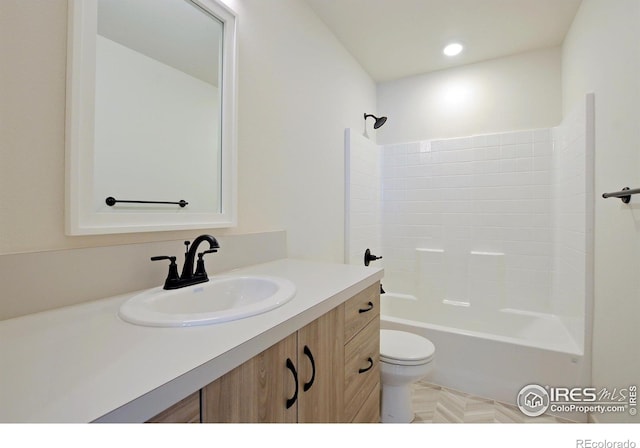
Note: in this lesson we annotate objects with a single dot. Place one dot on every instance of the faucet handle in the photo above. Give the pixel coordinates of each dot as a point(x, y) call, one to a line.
point(172, 276)
point(164, 257)
point(200, 270)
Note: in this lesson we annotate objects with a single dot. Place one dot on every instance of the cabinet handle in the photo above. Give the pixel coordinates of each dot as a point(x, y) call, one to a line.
point(369, 367)
point(308, 385)
point(364, 310)
point(290, 366)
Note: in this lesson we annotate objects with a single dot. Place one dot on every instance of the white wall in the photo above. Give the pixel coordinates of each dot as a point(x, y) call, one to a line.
point(299, 90)
point(601, 54)
point(507, 94)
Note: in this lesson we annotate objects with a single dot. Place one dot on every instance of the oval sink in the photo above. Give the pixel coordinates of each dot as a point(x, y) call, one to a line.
point(221, 299)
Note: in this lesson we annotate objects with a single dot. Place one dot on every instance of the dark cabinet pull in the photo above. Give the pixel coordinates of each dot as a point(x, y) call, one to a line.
point(308, 385)
point(290, 366)
point(364, 310)
point(369, 367)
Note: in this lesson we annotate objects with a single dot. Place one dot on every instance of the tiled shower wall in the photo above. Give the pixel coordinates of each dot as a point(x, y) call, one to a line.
point(363, 186)
point(573, 174)
point(469, 220)
point(489, 222)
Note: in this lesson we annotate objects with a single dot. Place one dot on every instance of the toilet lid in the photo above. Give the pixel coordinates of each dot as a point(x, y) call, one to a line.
point(402, 348)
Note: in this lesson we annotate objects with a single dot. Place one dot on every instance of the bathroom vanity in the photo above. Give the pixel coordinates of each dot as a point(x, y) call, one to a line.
point(325, 372)
point(336, 372)
point(314, 359)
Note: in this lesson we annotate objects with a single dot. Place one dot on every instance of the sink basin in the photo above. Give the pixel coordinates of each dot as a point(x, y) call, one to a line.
point(221, 299)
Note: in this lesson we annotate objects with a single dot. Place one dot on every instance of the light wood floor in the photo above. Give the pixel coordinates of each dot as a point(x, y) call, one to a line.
point(435, 404)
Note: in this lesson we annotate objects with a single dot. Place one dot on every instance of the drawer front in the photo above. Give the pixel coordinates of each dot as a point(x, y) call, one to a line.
point(362, 368)
point(360, 310)
point(370, 410)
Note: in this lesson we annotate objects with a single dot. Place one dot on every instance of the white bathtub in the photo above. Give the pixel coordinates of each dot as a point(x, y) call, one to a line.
point(497, 353)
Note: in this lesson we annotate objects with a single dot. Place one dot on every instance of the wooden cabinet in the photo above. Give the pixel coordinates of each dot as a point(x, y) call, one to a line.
point(328, 371)
point(293, 381)
point(256, 391)
point(185, 411)
point(370, 410)
point(320, 362)
point(362, 357)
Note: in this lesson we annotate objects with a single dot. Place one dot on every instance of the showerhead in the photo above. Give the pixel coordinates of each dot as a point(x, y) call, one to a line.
point(379, 121)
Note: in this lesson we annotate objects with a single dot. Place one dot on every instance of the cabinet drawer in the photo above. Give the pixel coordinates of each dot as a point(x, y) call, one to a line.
point(185, 411)
point(360, 310)
point(362, 368)
point(370, 410)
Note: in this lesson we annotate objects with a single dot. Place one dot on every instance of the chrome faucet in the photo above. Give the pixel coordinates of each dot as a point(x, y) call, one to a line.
point(188, 276)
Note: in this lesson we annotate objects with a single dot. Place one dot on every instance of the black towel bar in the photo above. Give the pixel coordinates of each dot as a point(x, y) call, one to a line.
point(624, 194)
point(111, 201)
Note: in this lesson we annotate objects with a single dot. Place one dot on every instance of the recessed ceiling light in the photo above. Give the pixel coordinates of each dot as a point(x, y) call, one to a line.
point(452, 49)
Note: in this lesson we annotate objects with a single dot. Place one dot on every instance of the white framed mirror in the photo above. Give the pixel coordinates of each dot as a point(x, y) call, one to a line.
point(151, 116)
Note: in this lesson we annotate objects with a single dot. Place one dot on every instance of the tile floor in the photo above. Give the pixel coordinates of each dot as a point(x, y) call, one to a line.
point(435, 404)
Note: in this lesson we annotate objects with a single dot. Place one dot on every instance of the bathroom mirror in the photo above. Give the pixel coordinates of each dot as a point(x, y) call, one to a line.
point(151, 106)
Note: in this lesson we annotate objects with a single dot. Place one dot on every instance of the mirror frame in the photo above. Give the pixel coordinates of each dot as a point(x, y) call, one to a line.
point(80, 216)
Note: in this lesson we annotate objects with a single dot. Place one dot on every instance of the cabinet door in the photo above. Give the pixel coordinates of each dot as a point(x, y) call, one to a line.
point(185, 411)
point(321, 369)
point(256, 391)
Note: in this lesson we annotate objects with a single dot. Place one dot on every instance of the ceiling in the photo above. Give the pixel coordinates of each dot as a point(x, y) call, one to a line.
point(397, 38)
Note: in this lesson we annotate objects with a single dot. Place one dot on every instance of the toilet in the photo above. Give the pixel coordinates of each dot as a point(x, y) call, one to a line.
point(404, 359)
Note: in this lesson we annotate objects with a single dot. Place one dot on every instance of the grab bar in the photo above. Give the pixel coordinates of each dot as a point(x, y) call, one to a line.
point(111, 201)
point(624, 194)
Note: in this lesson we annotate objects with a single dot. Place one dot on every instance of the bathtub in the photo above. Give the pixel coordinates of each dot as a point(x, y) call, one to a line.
point(497, 352)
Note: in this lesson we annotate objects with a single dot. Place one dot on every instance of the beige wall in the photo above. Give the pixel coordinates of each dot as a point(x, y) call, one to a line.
point(298, 90)
point(601, 54)
point(505, 94)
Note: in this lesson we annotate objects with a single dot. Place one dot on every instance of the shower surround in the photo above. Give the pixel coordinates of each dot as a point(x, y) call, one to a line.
point(488, 236)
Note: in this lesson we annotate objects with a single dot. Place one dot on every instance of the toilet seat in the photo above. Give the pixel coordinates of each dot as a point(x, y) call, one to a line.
point(405, 349)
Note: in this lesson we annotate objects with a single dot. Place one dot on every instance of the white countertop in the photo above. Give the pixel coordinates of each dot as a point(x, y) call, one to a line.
point(83, 363)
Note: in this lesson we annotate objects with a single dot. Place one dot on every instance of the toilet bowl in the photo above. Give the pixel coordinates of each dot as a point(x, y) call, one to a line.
point(404, 359)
